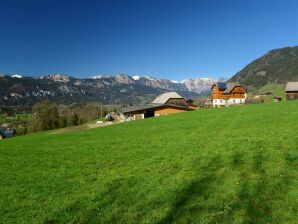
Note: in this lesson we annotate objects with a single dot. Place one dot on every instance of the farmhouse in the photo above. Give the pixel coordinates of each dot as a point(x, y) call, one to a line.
point(292, 90)
point(166, 103)
point(223, 94)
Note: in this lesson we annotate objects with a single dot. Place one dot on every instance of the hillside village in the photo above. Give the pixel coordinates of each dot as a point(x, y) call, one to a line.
point(221, 95)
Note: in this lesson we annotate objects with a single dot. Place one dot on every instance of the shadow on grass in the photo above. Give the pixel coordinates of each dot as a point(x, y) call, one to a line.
point(253, 200)
point(258, 191)
point(254, 197)
point(102, 204)
point(197, 188)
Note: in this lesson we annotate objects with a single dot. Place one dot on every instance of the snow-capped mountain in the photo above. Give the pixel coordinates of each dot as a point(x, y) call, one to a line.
point(17, 76)
point(197, 85)
point(109, 89)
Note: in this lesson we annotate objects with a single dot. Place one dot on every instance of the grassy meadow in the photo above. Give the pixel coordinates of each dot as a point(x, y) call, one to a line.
point(222, 165)
point(276, 89)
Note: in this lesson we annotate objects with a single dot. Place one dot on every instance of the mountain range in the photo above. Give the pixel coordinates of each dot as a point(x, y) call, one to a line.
point(277, 66)
point(120, 89)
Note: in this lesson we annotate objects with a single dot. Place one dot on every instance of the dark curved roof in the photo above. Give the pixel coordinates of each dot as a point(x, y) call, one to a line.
point(220, 85)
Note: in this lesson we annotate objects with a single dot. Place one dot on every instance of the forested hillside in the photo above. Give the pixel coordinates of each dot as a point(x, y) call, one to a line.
point(277, 66)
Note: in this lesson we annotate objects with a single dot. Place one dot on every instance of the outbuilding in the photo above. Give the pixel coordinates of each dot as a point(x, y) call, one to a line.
point(292, 90)
point(208, 103)
point(277, 99)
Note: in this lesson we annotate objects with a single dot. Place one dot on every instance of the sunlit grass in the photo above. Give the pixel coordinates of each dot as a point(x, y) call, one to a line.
point(225, 165)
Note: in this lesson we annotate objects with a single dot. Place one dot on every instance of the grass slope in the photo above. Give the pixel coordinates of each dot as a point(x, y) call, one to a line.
point(231, 165)
point(276, 89)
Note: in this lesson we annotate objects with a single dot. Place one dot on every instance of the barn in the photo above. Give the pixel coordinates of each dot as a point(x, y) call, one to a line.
point(166, 103)
point(292, 90)
point(223, 94)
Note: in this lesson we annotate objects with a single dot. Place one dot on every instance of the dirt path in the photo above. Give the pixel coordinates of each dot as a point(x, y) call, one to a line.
point(99, 125)
point(80, 127)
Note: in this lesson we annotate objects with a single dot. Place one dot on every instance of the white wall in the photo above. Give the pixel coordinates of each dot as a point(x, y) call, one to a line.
point(227, 102)
point(235, 101)
point(219, 102)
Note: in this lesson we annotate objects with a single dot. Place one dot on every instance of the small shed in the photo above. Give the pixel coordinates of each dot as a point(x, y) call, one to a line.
point(260, 95)
point(292, 90)
point(208, 103)
point(277, 99)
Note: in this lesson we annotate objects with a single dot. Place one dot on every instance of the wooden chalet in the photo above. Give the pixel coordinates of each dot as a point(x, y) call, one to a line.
point(292, 90)
point(167, 103)
point(223, 94)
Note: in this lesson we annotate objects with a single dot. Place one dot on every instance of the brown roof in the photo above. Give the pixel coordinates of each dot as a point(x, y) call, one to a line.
point(231, 87)
point(150, 106)
point(137, 108)
point(160, 101)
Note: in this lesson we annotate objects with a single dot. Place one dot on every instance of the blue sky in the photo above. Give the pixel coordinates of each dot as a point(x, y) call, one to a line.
point(165, 39)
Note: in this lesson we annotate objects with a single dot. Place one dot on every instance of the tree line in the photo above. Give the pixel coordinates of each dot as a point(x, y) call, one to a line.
point(47, 115)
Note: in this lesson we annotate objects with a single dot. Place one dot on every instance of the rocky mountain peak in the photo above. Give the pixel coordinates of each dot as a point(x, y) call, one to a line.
point(198, 84)
point(123, 78)
point(58, 77)
point(66, 89)
point(17, 76)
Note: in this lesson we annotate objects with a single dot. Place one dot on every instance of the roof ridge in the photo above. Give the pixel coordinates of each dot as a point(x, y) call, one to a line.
point(164, 97)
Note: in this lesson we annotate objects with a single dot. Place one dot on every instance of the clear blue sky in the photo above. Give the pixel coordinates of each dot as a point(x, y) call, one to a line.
point(165, 39)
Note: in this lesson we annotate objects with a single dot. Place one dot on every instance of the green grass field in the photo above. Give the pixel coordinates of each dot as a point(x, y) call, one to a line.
point(223, 165)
